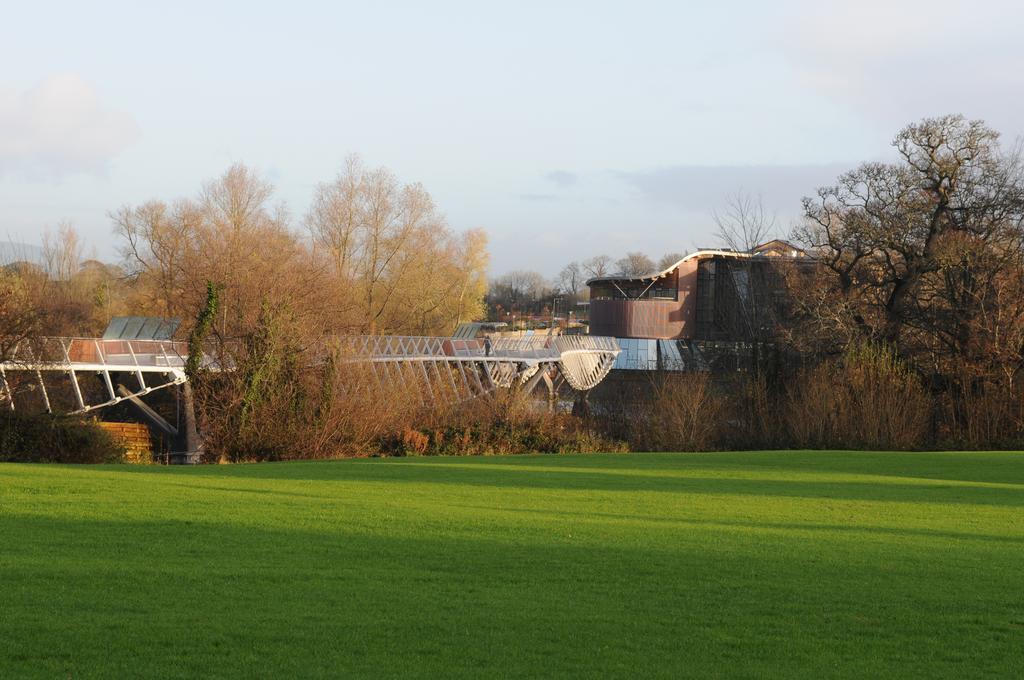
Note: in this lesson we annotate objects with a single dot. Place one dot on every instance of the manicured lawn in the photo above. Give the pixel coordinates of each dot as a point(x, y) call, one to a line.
point(804, 564)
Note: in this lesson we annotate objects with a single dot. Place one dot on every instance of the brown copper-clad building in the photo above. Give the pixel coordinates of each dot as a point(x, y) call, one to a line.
point(661, 305)
point(709, 295)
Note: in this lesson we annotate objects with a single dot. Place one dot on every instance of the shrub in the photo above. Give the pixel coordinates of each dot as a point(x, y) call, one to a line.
point(867, 399)
point(502, 423)
point(981, 413)
point(752, 412)
point(56, 439)
point(674, 412)
point(414, 442)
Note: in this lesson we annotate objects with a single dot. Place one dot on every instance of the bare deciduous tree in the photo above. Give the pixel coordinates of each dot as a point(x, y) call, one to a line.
point(334, 218)
point(400, 266)
point(158, 242)
point(19, 317)
point(471, 269)
point(571, 281)
point(233, 235)
point(519, 292)
point(635, 264)
point(743, 223)
point(597, 266)
point(923, 254)
point(62, 252)
point(669, 259)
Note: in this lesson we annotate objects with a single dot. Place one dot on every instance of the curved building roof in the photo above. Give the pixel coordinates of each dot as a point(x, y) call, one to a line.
point(758, 251)
point(666, 272)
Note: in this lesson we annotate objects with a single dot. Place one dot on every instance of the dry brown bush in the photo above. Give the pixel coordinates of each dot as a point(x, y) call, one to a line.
point(682, 413)
point(981, 414)
point(752, 413)
point(868, 399)
point(281, 403)
point(504, 422)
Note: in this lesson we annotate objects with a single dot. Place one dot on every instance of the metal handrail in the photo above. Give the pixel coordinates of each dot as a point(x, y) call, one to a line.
point(529, 347)
point(100, 352)
point(164, 354)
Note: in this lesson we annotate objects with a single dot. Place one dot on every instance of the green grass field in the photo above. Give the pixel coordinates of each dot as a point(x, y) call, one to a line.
point(790, 564)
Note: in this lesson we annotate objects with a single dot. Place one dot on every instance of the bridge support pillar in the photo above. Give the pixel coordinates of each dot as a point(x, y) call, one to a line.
point(192, 441)
point(552, 392)
point(580, 405)
point(154, 418)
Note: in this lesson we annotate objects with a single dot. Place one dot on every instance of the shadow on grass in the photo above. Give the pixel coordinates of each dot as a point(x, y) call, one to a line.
point(540, 476)
point(167, 597)
point(810, 527)
point(965, 466)
point(1005, 467)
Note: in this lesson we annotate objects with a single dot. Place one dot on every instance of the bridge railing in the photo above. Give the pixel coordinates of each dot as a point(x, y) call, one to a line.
point(586, 343)
point(527, 347)
point(168, 354)
point(100, 352)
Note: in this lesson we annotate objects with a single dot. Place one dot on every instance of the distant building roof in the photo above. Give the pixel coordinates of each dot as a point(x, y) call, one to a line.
point(779, 248)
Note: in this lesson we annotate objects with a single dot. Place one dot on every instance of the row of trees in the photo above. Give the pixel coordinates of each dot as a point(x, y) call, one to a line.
point(376, 256)
point(741, 224)
point(527, 292)
point(917, 288)
point(919, 267)
point(58, 291)
point(371, 256)
point(925, 257)
point(908, 329)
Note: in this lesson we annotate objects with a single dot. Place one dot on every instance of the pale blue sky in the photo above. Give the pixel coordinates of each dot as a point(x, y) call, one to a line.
point(564, 129)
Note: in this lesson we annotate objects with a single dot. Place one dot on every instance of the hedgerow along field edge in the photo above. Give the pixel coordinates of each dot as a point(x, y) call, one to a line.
point(791, 564)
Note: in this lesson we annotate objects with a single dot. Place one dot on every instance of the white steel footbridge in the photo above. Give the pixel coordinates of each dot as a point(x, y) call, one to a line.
point(49, 371)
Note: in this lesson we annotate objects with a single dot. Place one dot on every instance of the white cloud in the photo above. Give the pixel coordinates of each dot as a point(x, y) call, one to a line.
point(701, 189)
point(562, 178)
point(60, 127)
point(899, 60)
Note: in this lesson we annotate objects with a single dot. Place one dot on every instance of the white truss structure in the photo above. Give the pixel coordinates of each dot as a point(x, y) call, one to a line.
point(155, 365)
point(451, 369)
point(436, 368)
